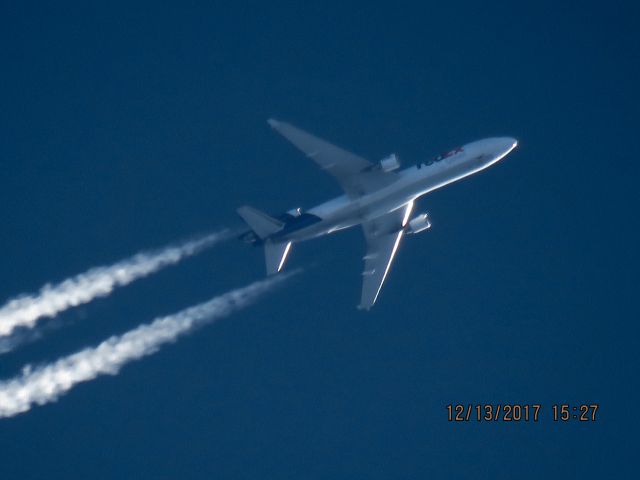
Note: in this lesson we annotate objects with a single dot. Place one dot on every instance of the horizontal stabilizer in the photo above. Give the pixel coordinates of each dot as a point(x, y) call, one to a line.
point(261, 223)
point(275, 255)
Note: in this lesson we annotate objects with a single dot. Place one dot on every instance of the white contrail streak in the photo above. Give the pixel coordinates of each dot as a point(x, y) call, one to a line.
point(20, 337)
point(25, 310)
point(47, 383)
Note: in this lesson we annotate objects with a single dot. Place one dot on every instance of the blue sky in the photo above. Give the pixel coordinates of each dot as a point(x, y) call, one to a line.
point(130, 127)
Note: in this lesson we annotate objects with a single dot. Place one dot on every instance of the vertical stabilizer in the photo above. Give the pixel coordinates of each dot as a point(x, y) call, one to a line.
point(275, 254)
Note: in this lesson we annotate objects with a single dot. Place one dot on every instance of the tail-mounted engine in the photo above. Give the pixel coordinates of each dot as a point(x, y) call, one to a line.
point(295, 212)
point(418, 224)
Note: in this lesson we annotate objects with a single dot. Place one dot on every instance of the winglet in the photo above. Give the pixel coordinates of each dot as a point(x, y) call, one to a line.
point(273, 123)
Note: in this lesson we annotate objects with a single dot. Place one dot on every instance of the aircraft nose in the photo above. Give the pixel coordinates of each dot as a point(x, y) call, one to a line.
point(502, 146)
point(491, 150)
point(506, 144)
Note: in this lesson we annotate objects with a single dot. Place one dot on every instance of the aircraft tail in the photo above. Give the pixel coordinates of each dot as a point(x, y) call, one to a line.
point(262, 224)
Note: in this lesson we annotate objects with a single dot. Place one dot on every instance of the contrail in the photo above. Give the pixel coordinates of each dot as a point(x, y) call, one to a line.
point(45, 384)
point(25, 310)
point(20, 337)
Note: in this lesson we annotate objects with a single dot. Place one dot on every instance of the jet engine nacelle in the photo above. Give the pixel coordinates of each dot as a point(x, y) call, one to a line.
point(390, 163)
point(418, 224)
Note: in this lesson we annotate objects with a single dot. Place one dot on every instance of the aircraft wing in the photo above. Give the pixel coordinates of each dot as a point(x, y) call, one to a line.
point(383, 236)
point(355, 175)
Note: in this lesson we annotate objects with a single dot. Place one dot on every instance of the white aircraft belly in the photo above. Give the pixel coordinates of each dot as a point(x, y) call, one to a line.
point(343, 212)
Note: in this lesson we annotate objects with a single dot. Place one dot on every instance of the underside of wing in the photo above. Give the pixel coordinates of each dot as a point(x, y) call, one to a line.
point(356, 175)
point(383, 237)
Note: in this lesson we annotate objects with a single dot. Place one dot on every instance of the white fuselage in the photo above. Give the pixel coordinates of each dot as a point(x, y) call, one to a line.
point(413, 182)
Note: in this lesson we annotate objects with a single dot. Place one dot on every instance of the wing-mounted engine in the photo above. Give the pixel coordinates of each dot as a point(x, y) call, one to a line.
point(418, 224)
point(390, 163)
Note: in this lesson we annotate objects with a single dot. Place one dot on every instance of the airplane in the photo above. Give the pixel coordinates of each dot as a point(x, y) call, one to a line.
point(377, 196)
